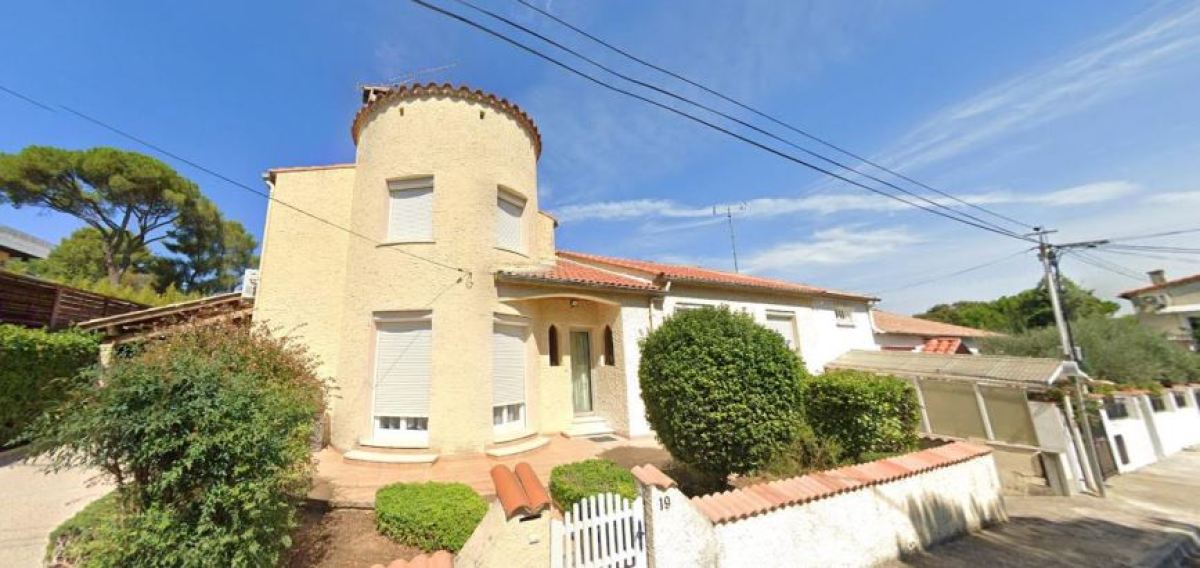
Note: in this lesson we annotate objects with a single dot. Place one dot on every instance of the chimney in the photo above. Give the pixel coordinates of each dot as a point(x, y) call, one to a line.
point(1158, 277)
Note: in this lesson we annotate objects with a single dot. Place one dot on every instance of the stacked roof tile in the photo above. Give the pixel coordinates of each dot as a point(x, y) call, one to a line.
point(942, 345)
point(439, 559)
point(520, 492)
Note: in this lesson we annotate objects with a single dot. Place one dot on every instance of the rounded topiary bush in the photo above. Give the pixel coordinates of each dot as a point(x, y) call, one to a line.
point(721, 391)
point(430, 516)
point(865, 413)
point(573, 482)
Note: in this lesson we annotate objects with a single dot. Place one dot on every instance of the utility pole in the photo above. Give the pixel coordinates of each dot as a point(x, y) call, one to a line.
point(729, 210)
point(1048, 254)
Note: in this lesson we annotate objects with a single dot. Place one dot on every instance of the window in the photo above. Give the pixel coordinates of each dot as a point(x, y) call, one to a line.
point(552, 346)
point(1115, 409)
point(508, 378)
point(1180, 400)
point(610, 351)
point(682, 306)
point(784, 324)
point(410, 210)
point(1122, 451)
point(1158, 404)
point(509, 208)
point(844, 315)
point(402, 370)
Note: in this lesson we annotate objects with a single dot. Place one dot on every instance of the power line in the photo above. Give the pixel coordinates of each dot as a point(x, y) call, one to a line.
point(953, 274)
point(1163, 249)
point(1106, 265)
point(762, 114)
point(1156, 235)
point(717, 112)
point(702, 121)
point(1145, 255)
point(224, 177)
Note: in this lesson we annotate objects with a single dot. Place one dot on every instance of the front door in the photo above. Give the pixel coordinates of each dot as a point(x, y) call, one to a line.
point(581, 371)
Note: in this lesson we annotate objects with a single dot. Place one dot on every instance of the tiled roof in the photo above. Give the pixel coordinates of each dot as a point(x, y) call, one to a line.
point(942, 345)
point(439, 559)
point(375, 97)
point(761, 498)
point(520, 492)
point(888, 322)
point(1169, 283)
point(997, 369)
point(569, 272)
point(708, 276)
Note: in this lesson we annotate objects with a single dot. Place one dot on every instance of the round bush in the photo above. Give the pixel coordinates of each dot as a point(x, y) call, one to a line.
point(573, 482)
point(864, 412)
point(430, 516)
point(721, 391)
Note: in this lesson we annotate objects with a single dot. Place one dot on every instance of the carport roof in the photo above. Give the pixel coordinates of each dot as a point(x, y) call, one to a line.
point(1014, 371)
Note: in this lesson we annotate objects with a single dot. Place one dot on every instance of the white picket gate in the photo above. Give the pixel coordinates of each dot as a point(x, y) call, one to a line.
point(602, 531)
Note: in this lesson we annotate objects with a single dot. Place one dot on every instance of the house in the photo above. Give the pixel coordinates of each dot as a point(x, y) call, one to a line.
point(433, 294)
point(1169, 306)
point(21, 245)
point(895, 332)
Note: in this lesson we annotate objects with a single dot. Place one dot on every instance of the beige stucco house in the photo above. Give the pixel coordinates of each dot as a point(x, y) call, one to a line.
point(1171, 307)
point(426, 280)
point(898, 332)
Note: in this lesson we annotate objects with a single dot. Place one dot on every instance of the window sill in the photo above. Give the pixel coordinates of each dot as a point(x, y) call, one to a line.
point(397, 444)
point(501, 435)
point(394, 243)
point(847, 325)
point(514, 251)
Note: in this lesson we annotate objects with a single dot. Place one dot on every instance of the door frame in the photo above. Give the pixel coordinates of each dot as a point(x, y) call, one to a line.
point(588, 331)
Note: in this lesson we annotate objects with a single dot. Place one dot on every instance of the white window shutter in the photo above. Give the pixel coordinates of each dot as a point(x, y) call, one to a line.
point(508, 364)
point(410, 213)
point(783, 325)
point(402, 368)
point(508, 224)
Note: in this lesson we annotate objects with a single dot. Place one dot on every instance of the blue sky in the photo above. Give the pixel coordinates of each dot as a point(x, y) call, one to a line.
point(1081, 116)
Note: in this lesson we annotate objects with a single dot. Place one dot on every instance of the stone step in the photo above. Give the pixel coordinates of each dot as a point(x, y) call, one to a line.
point(517, 446)
point(588, 426)
point(384, 456)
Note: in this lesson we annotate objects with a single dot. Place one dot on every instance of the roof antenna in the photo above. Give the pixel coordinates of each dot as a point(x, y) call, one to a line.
point(372, 90)
point(728, 211)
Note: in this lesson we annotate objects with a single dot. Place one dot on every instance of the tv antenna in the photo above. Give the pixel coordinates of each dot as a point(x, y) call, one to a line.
point(728, 211)
point(412, 76)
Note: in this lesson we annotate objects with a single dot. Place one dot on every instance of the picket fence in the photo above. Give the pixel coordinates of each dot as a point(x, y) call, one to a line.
point(603, 531)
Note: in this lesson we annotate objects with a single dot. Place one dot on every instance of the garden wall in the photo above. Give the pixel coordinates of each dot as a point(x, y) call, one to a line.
point(853, 516)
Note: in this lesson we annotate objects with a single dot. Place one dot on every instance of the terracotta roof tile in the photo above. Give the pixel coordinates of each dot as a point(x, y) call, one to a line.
point(535, 492)
point(942, 345)
point(650, 475)
point(888, 322)
point(569, 272)
point(439, 559)
point(761, 498)
point(1128, 294)
point(708, 275)
point(508, 490)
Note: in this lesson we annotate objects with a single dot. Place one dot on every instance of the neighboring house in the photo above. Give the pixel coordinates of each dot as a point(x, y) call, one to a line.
point(447, 318)
point(895, 332)
point(21, 245)
point(1170, 306)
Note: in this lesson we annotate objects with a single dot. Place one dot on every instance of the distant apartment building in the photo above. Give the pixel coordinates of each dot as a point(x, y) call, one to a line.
point(1169, 306)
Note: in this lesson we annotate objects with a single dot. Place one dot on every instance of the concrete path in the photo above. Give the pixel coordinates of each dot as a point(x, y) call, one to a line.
point(32, 504)
point(1150, 518)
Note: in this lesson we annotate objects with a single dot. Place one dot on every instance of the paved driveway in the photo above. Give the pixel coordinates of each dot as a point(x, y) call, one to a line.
point(1150, 517)
point(32, 504)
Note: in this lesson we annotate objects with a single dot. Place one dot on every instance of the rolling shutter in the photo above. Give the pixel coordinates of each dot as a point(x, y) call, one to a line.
point(783, 325)
point(410, 215)
point(508, 223)
point(508, 364)
point(402, 368)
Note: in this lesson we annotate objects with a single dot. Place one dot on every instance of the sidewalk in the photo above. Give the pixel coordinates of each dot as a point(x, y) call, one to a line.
point(1150, 518)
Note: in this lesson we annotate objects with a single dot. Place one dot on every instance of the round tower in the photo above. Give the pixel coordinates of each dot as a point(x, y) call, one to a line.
point(445, 192)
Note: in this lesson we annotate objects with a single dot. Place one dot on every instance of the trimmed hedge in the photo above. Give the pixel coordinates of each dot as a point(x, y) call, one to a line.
point(206, 434)
point(722, 392)
point(573, 482)
point(863, 412)
point(431, 516)
point(37, 368)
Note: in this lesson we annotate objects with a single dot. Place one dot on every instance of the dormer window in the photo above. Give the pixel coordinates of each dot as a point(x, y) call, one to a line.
point(509, 209)
point(410, 210)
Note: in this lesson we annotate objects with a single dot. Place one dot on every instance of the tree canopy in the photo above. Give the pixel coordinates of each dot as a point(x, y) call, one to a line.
point(128, 201)
point(1026, 310)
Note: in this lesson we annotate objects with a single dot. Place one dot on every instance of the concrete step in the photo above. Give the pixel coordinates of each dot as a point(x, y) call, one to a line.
point(390, 456)
point(515, 447)
point(588, 426)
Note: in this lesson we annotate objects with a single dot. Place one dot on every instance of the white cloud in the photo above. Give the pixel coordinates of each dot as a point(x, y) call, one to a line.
point(1087, 193)
point(1114, 62)
point(835, 246)
point(1175, 198)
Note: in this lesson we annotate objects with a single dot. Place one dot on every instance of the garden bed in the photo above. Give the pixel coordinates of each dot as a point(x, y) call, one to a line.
point(341, 538)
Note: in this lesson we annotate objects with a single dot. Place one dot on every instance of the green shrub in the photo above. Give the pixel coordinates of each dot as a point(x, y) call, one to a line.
point(863, 412)
point(572, 482)
point(87, 534)
point(206, 434)
point(430, 516)
point(37, 368)
point(721, 391)
point(807, 453)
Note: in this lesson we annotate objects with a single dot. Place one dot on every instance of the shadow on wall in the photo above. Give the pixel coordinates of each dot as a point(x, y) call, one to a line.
point(1036, 541)
point(936, 519)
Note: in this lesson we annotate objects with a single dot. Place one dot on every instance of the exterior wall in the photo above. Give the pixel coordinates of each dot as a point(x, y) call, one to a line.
point(1174, 326)
point(1134, 433)
point(897, 342)
point(637, 321)
point(303, 263)
point(860, 527)
point(1178, 427)
point(500, 542)
point(821, 339)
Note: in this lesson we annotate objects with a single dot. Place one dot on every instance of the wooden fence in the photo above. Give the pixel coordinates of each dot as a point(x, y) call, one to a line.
point(33, 302)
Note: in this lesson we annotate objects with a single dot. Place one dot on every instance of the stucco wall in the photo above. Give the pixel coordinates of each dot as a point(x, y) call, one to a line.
point(1134, 433)
point(303, 262)
point(821, 339)
point(861, 527)
point(1178, 427)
